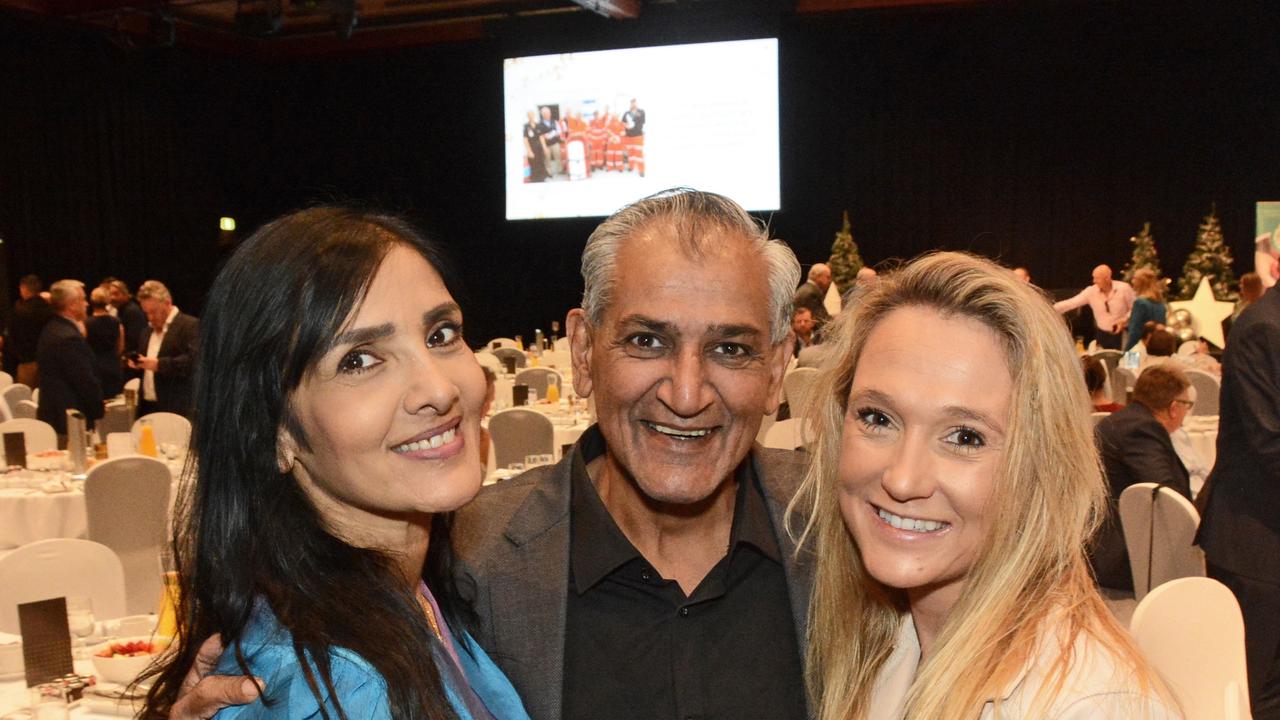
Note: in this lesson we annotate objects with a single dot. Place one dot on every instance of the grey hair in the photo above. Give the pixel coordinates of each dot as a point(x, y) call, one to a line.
point(63, 292)
point(154, 290)
point(692, 213)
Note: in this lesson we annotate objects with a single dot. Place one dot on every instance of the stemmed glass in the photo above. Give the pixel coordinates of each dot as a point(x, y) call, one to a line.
point(80, 620)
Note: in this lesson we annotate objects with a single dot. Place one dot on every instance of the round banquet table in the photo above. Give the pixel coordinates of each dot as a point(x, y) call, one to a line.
point(28, 514)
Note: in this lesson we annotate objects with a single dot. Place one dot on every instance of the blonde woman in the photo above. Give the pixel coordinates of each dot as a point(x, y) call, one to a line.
point(954, 487)
point(1149, 305)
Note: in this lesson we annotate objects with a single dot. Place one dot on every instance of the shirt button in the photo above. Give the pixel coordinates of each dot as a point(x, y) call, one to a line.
point(684, 612)
point(645, 575)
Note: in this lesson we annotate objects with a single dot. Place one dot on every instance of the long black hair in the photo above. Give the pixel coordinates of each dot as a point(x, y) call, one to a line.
point(245, 531)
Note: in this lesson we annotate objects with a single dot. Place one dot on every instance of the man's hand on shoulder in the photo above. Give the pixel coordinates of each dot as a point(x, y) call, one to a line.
point(203, 694)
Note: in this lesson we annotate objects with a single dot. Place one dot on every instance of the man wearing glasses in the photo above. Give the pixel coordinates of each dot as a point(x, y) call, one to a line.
point(1111, 302)
point(1137, 447)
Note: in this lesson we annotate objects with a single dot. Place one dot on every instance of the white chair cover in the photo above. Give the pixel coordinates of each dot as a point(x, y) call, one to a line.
point(168, 428)
point(562, 344)
point(1159, 531)
point(503, 353)
point(788, 434)
point(62, 567)
point(127, 504)
point(40, 435)
point(1188, 347)
point(557, 359)
point(796, 385)
point(5, 379)
point(120, 444)
point(12, 394)
point(1122, 381)
point(35, 396)
point(538, 378)
point(1192, 632)
point(489, 360)
point(519, 432)
point(25, 409)
point(134, 384)
point(502, 343)
point(1207, 388)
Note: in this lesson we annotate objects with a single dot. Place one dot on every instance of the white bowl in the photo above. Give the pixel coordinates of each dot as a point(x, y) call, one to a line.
point(123, 670)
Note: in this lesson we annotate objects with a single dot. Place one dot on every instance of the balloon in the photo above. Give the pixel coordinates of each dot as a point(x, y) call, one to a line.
point(1180, 318)
point(1185, 333)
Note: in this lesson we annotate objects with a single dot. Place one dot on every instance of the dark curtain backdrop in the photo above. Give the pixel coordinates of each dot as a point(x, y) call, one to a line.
point(1043, 134)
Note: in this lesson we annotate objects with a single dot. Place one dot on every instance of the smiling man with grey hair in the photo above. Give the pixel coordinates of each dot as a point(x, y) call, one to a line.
point(648, 573)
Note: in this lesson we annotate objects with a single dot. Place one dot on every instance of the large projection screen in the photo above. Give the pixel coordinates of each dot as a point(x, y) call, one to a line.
point(705, 115)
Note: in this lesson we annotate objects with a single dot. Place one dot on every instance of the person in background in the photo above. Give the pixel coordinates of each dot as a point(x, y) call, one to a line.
point(168, 352)
point(535, 149)
point(953, 487)
point(633, 120)
point(68, 380)
point(1095, 381)
point(338, 428)
point(105, 335)
point(1161, 345)
point(1240, 509)
point(1136, 447)
point(802, 328)
point(1111, 301)
point(130, 315)
point(813, 293)
point(26, 322)
point(1148, 306)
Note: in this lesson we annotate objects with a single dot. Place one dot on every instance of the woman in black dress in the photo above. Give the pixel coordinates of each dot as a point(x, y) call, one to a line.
point(106, 339)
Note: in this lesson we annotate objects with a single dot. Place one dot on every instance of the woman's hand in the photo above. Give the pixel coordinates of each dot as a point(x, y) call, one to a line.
point(203, 694)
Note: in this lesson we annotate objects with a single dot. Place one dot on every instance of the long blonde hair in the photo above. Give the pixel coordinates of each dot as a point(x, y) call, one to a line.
point(1048, 499)
point(1147, 284)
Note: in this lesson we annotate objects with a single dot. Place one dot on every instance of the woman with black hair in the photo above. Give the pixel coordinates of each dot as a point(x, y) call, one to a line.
point(336, 425)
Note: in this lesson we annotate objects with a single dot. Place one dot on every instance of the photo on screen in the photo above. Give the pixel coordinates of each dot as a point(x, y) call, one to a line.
point(587, 133)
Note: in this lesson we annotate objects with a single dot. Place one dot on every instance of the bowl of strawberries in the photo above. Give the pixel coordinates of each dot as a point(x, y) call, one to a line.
point(123, 659)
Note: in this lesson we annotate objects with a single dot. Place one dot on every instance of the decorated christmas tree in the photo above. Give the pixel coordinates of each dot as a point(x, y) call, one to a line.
point(1144, 253)
point(1210, 258)
point(845, 261)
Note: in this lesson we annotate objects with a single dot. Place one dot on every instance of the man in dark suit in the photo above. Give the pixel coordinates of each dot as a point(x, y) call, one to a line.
point(26, 321)
point(813, 294)
point(1240, 529)
point(67, 378)
point(649, 574)
point(129, 313)
point(167, 352)
point(1136, 448)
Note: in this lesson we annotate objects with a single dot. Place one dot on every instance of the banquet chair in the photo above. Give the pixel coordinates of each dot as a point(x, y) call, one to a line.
point(562, 344)
point(168, 428)
point(25, 409)
point(13, 394)
point(489, 360)
point(1122, 381)
point(538, 379)
point(496, 343)
point(503, 353)
point(35, 396)
point(557, 359)
point(40, 435)
point(1207, 388)
point(796, 385)
point(1188, 347)
point(517, 433)
point(134, 384)
point(61, 567)
point(1159, 531)
point(1192, 632)
point(5, 379)
point(127, 504)
point(789, 434)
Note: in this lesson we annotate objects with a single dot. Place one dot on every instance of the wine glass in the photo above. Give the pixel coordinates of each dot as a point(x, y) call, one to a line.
point(80, 620)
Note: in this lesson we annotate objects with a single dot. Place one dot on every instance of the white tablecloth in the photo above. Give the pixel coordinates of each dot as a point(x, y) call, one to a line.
point(30, 514)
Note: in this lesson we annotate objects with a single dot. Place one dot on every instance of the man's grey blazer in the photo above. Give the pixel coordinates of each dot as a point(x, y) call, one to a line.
point(512, 545)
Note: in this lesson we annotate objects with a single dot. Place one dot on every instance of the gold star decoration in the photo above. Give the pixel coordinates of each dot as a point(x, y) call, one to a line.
point(1207, 313)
